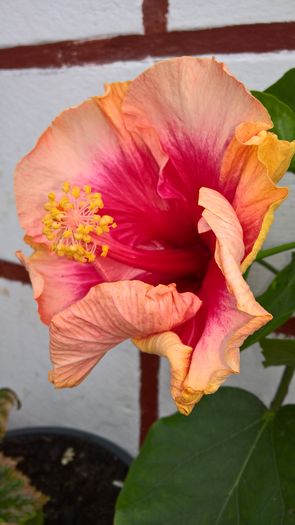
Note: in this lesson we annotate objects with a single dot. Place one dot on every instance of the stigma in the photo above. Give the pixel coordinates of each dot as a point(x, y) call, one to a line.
point(74, 223)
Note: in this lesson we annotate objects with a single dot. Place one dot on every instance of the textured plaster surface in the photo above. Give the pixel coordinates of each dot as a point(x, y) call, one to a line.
point(194, 14)
point(31, 21)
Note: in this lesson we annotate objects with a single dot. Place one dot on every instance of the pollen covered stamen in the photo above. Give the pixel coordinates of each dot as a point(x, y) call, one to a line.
point(73, 223)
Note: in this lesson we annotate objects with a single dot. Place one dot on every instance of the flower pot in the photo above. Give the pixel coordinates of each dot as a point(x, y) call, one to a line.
point(80, 472)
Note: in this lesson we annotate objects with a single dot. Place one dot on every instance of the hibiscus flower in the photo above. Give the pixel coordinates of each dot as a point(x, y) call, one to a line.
point(144, 207)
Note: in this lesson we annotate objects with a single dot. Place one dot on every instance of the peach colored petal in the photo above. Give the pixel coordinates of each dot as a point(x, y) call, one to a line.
point(110, 104)
point(89, 144)
point(216, 355)
point(109, 314)
point(194, 106)
point(255, 159)
point(275, 155)
point(230, 312)
point(57, 282)
point(169, 345)
point(63, 153)
point(221, 218)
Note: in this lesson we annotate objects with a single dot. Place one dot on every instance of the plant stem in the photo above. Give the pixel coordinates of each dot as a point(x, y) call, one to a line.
point(276, 249)
point(267, 266)
point(283, 388)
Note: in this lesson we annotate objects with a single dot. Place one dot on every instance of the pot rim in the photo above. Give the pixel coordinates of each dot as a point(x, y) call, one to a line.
point(124, 456)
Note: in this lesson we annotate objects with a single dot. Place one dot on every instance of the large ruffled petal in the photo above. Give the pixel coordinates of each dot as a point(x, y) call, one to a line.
point(59, 282)
point(109, 314)
point(229, 312)
point(253, 162)
point(90, 145)
point(169, 345)
point(193, 105)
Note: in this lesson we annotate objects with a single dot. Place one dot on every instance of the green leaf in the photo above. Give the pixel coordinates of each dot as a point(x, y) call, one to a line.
point(268, 252)
point(231, 462)
point(282, 116)
point(284, 88)
point(279, 300)
point(278, 352)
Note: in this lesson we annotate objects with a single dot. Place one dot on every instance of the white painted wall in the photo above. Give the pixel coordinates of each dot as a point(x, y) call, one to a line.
point(192, 14)
point(107, 402)
point(37, 21)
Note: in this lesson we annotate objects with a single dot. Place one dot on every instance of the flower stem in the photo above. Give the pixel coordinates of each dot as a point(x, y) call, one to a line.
point(283, 388)
point(276, 249)
point(267, 266)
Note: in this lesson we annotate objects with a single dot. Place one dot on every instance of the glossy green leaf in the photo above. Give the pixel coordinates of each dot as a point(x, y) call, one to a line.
point(225, 464)
point(278, 352)
point(279, 300)
point(282, 116)
point(284, 88)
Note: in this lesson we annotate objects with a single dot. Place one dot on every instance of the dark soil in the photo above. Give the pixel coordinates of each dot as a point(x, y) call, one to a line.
point(82, 491)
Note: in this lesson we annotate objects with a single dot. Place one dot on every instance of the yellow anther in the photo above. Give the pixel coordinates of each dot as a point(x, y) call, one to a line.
point(104, 250)
point(66, 187)
point(62, 248)
point(94, 205)
point(67, 234)
point(50, 236)
point(48, 206)
point(54, 211)
point(47, 222)
point(76, 192)
point(71, 221)
point(64, 201)
point(106, 220)
point(95, 196)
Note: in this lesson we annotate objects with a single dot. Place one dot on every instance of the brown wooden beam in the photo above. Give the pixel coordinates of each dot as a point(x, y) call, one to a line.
point(155, 14)
point(14, 272)
point(256, 38)
point(149, 386)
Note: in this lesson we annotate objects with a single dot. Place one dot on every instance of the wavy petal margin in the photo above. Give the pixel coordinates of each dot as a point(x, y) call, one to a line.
point(230, 313)
point(254, 161)
point(110, 313)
